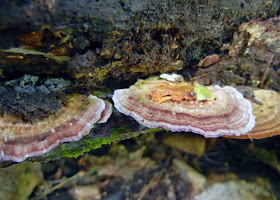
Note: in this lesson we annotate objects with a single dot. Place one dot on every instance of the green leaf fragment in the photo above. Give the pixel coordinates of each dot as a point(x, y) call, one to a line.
point(202, 92)
point(139, 84)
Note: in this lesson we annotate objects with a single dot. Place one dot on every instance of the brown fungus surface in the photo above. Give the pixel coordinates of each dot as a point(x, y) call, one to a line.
point(267, 115)
point(165, 92)
point(225, 113)
point(20, 140)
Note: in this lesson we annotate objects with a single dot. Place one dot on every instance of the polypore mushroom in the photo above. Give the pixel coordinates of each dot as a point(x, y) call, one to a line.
point(267, 115)
point(106, 113)
point(19, 139)
point(211, 111)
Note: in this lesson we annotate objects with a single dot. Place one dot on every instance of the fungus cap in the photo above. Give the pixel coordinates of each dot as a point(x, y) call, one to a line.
point(226, 112)
point(267, 115)
point(19, 139)
point(106, 113)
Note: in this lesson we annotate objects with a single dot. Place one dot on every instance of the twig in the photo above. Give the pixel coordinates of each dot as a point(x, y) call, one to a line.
point(256, 101)
point(249, 137)
point(265, 71)
point(146, 189)
point(155, 178)
point(64, 182)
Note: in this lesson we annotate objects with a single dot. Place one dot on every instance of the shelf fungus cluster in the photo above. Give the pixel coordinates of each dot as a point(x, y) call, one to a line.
point(211, 111)
point(20, 140)
point(267, 115)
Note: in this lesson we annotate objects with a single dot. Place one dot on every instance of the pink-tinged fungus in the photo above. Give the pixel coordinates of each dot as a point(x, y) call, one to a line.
point(20, 140)
point(106, 113)
point(267, 115)
point(211, 111)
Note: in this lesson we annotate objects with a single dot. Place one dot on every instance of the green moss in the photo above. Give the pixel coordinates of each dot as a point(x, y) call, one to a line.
point(79, 148)
point(87, 145)
point(117, 131)
point(71, 153)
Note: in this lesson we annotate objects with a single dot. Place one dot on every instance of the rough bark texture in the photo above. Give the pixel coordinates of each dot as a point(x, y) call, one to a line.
point(127, 36)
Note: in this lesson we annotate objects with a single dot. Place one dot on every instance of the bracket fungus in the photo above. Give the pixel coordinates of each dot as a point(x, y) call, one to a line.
point(20, 140)
point(180, 106)
point(267, 115)
point(106, 113)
